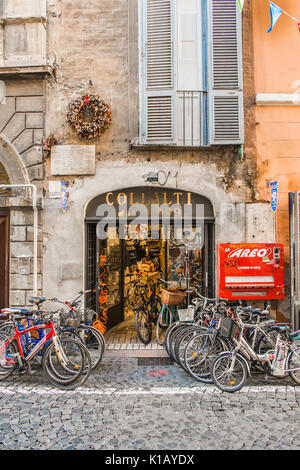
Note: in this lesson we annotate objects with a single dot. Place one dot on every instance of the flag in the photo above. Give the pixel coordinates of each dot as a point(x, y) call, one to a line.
point(274, 195)
point(275, 12)
point(240, 4)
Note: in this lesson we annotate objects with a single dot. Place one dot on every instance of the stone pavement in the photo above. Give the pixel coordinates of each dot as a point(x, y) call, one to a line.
point(126, 405)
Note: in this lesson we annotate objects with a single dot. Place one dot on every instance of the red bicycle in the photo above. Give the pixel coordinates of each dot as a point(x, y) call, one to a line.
point(65, 360)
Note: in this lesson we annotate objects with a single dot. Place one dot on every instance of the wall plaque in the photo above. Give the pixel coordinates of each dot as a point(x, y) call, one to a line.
point(73, 160)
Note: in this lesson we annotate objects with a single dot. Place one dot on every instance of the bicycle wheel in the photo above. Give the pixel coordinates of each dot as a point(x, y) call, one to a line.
point(94, 341)
point(267, 341)
point(170, 331)
point(143, 326)
point(199, 353)
point(7, 328)
point(164, 320)
point(182, 327)
point(229, 372)
point(7, 354)
point(70, 371)
point(182, 340)
point(294, 363)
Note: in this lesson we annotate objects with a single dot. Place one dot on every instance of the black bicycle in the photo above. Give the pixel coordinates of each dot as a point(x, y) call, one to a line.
point(146, 312)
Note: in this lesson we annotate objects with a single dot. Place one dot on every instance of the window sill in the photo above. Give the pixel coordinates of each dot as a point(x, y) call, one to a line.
point(168, 147)
point(27, 70)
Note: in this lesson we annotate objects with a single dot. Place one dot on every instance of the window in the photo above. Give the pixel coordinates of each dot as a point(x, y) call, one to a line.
point(190, 73)
point(22, 33)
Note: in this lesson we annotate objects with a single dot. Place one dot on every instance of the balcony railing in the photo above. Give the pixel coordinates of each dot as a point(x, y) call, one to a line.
point(191, 118)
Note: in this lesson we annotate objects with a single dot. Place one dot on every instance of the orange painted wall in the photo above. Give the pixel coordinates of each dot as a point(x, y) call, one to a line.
point(277, 70)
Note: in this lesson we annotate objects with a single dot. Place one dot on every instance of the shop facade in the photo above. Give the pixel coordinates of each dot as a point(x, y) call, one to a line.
point(184, 130)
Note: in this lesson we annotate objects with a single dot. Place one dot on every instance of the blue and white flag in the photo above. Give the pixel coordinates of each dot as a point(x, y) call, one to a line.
point(63, 196)
point(274, 195)
point(275, 12)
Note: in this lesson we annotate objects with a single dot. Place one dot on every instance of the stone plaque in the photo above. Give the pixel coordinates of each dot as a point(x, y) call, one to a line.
point(73, 160)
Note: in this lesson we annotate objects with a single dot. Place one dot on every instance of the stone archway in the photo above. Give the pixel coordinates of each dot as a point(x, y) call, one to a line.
point(117, 254)
point(12, 162)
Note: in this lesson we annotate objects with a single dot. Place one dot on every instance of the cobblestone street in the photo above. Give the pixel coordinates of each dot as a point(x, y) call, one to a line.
point(129, 406)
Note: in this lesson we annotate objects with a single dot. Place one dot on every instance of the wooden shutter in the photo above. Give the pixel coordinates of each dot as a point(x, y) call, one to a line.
point(158, 78)
point(225, 73)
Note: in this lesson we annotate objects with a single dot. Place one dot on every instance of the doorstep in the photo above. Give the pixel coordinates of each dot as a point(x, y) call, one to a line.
point(136, 353)
point(135, 350)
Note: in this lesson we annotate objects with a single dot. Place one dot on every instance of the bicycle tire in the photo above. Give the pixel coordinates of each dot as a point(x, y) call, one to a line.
point(94, 343)
point(233, 381)
point(6, 370)
point(164, 320)
point(61, 371)
point(181, 342)
point(295, 375)
point(199, 353)
point(7, 328)
point(143, 327)
point(61, 378)
point(169, 333)
point(177, 333)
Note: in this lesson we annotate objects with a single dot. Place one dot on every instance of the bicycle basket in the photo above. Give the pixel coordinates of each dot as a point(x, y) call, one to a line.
point(227, 328)
point(186, 314)
point(70, 321)
point(172, 296)
point(87, 315)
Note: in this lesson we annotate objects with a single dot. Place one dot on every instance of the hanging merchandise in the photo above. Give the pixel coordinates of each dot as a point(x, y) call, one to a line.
point(100, 323)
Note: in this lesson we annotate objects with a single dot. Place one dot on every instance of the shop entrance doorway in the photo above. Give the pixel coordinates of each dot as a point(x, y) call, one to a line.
point(116, 265)
point(4, 259)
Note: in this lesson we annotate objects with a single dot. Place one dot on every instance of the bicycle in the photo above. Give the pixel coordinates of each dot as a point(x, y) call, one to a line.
point(201, 348)
point(65, 361)
point(171, 299)
point(79, 323)
point(230, 370)
point(146, 314)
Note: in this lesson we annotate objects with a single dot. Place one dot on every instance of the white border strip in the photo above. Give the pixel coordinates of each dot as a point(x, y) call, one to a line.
point(205, 390)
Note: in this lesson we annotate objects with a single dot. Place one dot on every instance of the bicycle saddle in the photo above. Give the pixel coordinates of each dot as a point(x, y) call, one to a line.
point(36, 300)
point(17, 311)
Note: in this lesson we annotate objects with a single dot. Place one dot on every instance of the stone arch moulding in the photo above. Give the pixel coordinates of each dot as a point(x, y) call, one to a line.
point(12, 162)
point(94, 201)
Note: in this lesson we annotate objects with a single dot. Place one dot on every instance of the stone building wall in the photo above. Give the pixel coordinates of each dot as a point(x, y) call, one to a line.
point(21, 127)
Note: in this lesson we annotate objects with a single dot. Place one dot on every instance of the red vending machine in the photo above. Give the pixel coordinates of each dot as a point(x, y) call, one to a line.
point(251, 271)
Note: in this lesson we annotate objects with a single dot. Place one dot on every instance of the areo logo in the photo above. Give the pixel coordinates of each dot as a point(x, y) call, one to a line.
point(248, 253)
point(2, 92)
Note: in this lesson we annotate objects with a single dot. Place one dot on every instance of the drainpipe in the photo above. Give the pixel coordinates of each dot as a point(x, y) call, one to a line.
point(35, 227)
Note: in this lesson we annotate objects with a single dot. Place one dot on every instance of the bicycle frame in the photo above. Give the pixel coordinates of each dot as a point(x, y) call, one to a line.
point(269, 357)
point(45, 338)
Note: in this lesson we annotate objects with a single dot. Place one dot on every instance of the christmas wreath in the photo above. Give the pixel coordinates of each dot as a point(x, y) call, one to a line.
point(89, 116)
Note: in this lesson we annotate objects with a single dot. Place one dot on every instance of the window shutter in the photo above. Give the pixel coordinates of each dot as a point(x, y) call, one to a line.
point(225, 73)
point(158, 66)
